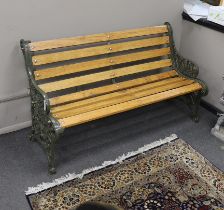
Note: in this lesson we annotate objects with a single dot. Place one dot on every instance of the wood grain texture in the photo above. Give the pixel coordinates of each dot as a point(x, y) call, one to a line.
point(99, 50)
point(77, 81)
point(110, 88)
point(90, 65)
point(118, 97)
point(126, 106)
point(103, 37)
point(109, 96)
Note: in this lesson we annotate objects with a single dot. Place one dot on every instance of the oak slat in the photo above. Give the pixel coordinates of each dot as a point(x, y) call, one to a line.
point(119, 97)
point(90, 65)
point(126, 106)
point(110, 88)
point(99, 50)
point(68, 83)
point(74, 41)
point(109, 96)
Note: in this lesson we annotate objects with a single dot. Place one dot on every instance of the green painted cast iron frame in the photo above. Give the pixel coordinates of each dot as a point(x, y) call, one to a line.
point(189, 70)
point(46, 129)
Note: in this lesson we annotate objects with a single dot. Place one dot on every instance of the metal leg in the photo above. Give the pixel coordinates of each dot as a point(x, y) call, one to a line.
point(196, 105)
point(193, 101)
point(32, 135)
point(51, 158)
point(35, 135)
point(47, 141)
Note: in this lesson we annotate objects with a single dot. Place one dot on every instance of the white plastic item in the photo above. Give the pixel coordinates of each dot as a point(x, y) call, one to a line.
point(216, 15)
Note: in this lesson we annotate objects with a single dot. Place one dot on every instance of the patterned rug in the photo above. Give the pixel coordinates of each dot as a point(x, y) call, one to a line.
point(171, 176)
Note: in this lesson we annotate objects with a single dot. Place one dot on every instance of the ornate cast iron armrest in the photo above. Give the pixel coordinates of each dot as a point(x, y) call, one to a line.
point(39, 97)
point(182, 65)
point(185, 66)
point(45, 128)
point(41, 108)
point(188, 69)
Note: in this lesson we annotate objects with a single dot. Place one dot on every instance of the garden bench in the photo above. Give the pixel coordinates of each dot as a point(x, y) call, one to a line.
point(81, 79)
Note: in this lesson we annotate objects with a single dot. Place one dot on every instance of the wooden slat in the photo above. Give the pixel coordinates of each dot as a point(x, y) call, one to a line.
point(119, 97)
point(109, 96)
point(111, 88)
point(126, 106)
point(89, 65)
point(99, 50)
point(74, 41)
point(68, 83)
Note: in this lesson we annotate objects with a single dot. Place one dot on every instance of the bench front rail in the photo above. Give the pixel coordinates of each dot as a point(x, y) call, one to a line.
point(81, 79)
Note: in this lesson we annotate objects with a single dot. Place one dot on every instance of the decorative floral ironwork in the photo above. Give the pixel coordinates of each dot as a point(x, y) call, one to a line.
point(45, 129)
point(188, 69)
point(184, 67)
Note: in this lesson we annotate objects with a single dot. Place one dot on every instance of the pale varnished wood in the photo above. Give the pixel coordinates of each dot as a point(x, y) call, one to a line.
point(119, 97)
point(116, 94)
point(68, 83)
point(110, 88)
point(74, 41)
point(99, 50)
point(122, 107)
point(90, 65)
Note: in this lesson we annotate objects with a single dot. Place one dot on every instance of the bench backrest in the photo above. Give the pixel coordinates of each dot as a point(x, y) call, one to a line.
point(64, 64)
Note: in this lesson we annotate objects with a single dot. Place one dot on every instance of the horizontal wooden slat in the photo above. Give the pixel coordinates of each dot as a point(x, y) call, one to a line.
point(126, 106)
point(89, 65)
point(99, 50)
point(74, 41)
point(118, 97)
point(111, 88)
point(109, 96)
point(68, 83)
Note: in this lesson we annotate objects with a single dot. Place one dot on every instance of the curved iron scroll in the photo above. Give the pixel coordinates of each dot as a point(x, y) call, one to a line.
point(184, 67)
point(45, 128)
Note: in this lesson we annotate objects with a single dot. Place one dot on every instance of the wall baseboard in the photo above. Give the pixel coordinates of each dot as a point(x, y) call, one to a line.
point(14, 97)
point(210, 107)
point(16, 127)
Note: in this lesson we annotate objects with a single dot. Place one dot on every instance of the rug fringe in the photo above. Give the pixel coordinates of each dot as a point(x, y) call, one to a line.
point(68, 177)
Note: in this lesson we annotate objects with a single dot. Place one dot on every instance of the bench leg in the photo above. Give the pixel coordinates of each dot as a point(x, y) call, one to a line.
point(196, 105)
point(47, 141)
point(49, 131)
point(51, 158)
point(32, 136)
point(35, 134)
point(193, 101)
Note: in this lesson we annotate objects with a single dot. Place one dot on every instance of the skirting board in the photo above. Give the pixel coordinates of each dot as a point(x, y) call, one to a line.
point(15, 127)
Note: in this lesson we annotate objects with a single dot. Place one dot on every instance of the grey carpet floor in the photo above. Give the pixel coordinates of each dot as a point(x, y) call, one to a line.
point(23, 164)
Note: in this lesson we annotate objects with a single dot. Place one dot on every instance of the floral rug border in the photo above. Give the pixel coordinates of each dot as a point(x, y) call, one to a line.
point(71, 176)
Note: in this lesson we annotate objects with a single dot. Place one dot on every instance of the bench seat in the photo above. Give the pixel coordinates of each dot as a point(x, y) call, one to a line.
point(123, 100)
point(80, 79)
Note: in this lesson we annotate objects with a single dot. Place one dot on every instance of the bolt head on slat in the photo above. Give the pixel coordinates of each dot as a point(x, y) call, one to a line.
point(35, 61)
point(110, 48)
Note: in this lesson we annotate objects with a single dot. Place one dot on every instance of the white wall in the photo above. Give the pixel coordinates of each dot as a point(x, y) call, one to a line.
point(41, 20)
point(205, 47)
